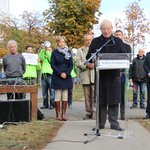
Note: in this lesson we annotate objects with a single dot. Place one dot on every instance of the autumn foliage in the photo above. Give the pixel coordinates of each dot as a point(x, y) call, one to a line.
point(72, 19)
point(135, 25)
point(3, 51)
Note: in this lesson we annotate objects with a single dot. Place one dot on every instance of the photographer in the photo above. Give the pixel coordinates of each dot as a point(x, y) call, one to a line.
point(46, 76)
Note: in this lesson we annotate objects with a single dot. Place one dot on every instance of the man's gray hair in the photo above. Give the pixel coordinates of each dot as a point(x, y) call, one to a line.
point(11, 41)
point(142, 49)
point(105, 21)
point(87, 35)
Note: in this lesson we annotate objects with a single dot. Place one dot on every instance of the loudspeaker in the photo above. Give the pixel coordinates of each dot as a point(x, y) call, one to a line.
point(14, 111)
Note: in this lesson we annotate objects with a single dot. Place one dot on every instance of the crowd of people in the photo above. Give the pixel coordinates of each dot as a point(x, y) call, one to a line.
point(58, 71)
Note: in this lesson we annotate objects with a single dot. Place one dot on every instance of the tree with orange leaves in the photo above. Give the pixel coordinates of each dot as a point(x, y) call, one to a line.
point(134, 25)
point(3, 51)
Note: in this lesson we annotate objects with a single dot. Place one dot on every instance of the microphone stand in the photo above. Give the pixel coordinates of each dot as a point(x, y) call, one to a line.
point(97, 133)
point(97, 51)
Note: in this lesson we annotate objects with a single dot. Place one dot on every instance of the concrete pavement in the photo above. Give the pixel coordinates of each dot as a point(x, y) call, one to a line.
point(71, 135)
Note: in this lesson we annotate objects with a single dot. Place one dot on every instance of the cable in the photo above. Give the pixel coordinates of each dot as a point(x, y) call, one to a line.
point(14, 123)
point(67, 141)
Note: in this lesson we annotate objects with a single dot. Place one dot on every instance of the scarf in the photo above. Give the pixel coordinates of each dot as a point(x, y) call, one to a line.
point(64, 51)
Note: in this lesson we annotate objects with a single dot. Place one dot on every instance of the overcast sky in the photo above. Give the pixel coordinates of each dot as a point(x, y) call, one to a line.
point(110, 9)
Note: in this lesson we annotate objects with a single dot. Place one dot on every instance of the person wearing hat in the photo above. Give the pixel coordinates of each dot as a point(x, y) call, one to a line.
point(46, 76)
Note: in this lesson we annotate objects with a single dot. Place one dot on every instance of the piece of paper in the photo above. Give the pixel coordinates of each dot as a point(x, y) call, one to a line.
point(97, 31)
point(30, 58)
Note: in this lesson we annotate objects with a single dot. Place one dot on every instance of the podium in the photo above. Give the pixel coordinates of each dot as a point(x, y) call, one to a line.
point(109, 61)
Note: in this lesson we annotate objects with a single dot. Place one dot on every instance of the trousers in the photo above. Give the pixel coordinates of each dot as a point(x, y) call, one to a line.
point(112, 114)
point(89, 98)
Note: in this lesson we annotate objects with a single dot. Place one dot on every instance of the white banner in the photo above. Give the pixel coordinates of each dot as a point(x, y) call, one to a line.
point(30, 58)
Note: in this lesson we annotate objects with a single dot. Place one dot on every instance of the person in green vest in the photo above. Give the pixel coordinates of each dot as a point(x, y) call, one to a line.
point(30, 76)
point(73, 75)
point(46, 76)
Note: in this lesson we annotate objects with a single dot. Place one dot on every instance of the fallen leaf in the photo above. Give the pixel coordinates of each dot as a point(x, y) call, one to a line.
point(24, 133)
point(25, 147)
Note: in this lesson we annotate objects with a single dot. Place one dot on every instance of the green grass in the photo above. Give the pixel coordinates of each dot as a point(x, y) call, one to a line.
point(78, 94)
point(33, 135)
point(130, 95)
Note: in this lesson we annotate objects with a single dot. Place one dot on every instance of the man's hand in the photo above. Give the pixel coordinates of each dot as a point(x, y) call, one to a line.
point(120, 74)
point(90, 65)
point(38, 59)
point(63, 75)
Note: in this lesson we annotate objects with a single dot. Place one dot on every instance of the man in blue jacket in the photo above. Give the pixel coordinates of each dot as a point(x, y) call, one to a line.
point(119, 34)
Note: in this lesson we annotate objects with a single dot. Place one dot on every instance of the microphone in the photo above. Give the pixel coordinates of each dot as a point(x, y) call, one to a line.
point(113, 40)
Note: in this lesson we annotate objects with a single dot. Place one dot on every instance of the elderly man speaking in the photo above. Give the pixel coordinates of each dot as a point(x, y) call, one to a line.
point(109, 81)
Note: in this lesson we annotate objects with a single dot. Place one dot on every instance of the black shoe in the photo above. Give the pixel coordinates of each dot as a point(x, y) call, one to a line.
point(101, 126)
point(133, 107)
point(147, 116)
point(117, 128)
point(87, 117)
point(43, 107)
point(122, 117)
point(51, 107)
point(142, 107)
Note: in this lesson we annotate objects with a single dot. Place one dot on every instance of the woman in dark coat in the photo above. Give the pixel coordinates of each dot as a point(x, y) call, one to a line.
point(61, 63)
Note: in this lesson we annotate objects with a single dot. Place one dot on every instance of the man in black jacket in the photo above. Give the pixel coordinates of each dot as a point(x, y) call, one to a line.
point(119, 34)
point(109, 80)
point(146, 66)
point(137, 76)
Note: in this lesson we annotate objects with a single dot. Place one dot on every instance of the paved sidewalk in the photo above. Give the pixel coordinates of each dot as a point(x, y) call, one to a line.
point(74, 129)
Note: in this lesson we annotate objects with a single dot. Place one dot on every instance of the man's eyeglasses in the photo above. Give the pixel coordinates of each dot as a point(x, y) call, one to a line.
point(108, 29)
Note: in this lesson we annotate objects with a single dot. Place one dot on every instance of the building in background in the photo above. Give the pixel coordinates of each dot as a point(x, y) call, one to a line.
point(4, 6)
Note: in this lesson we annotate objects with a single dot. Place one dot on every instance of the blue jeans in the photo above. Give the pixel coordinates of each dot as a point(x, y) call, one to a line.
point(142, 93)
point(70, 94)
point(46, 84)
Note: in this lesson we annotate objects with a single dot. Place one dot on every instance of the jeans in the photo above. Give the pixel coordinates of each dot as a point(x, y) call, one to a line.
point(46, 84)
point(142, 93)
point(122, 108)
point(148, 98)
point(70, 94)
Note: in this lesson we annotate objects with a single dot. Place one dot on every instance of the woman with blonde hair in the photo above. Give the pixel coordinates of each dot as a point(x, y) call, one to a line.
point(61, 63)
